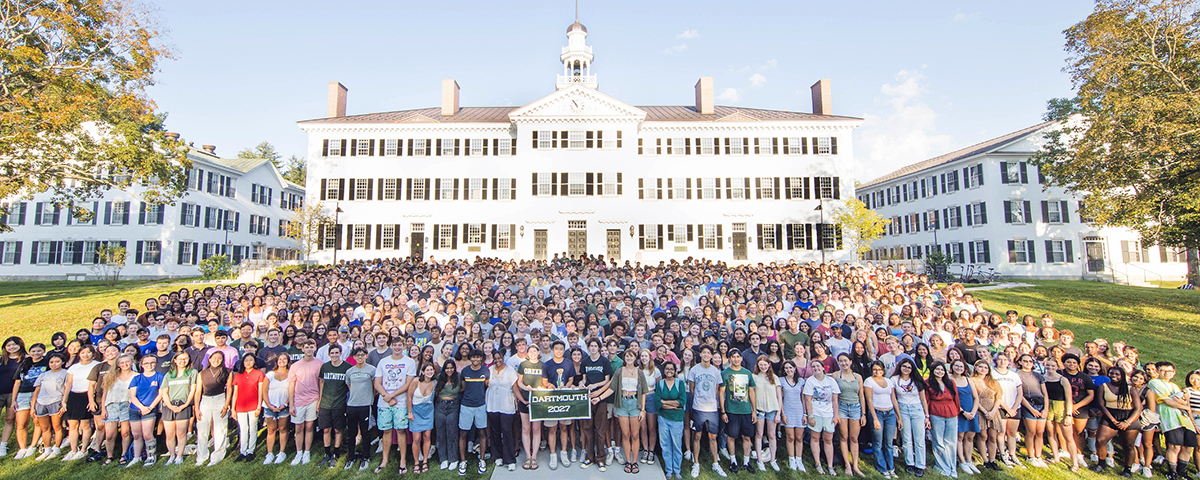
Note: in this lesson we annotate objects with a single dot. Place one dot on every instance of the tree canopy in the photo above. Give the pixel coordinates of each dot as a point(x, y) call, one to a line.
point(861, 226)
point(293, 169)
point(1129, 140)
point(75, 118)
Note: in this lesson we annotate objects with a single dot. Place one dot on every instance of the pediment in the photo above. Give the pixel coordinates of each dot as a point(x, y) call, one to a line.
point(737, 117)
point(577, 102)
point(416, 118)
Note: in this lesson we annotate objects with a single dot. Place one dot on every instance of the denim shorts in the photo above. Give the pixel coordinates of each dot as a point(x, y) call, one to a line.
point(472, 417)
point(629, 408)
point(849, 411)
point(136, 416)
point(268, 413)
point(702, 421)
point(117, 412)
point(824, 424)
point(768, 416)
point(24, 401)
point(651, 406)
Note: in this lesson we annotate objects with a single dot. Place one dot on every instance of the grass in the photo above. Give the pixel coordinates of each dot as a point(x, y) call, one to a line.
point(1156, 320)
point(1166, 283)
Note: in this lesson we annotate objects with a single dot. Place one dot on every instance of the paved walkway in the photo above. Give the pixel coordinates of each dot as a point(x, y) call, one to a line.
point(615, 471)
point(1000, 286)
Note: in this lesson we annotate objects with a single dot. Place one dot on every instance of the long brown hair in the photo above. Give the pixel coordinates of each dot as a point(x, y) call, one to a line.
point(21, 353)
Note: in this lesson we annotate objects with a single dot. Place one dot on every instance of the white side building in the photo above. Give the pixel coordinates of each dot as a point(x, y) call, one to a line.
point(987, 205)
point(578, 172)
point(233, 206)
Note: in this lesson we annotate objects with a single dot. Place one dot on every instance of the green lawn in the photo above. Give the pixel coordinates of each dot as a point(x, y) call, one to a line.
point(1156, 320)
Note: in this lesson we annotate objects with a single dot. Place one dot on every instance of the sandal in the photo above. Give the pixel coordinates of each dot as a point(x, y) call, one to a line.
point(378, 469)
point(634, 467)
point(525, 465)
point(108, 461)
point(402, 471)
point(628, 468)
point(535, 465)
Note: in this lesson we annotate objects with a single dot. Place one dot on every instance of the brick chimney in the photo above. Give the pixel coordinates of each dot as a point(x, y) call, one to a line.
point(337, 100)
point(449, 96)
point(704, 96)
point(822, 97)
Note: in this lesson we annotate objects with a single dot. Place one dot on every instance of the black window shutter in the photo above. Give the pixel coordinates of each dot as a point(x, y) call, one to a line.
point(775, 184)
point(161, 210)
point(1024, 172)
point(408, 189)
point(483, 233)
point(342, 189)
point(1049, 255)
point(370, 192)
point(982, 212)
point(620, 184)
point(352, 192)
point(534, 184)
point(689, 232)
point(758, 188)
point(1003, 172)
point(1028, 211)
point(1066, 217)
point(785, 146)
point(396, 236)
point(671, 232)
point(457, 144)
point(1069, 254)
point(589, 183)
point(138, 257)
point(37, 214)
point(325, 148)
point(179, 253)
point(378, 236)
point(791, 238)
point(454, 237)
point(833, 145)
point(760, 241)
point(720, 238)
point(195, 252)
point(426, 189)
point(456, 185)
point(971, 251)
point(970, 210)
point(1008, 212)
point(437, 235)
point(787, 190)
point(660, 237)
point(563, 184)
point(343, 149)
point(837, 189)
point(337, 237)
point(1029, 251)
point(372, 151)
point(494, 236)
point(641, 237)
point(324, 183)
point(353, 147)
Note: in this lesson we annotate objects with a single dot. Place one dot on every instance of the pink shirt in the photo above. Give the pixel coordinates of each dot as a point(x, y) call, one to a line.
point(304, 375)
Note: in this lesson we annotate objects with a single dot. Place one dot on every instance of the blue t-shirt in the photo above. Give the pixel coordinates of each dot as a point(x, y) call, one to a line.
point(474, 386)
point(557, 373)
point(145, 389)
point(148, 349)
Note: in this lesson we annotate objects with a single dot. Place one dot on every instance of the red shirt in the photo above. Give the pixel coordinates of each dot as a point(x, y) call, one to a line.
point(247, 385)
point(943, 405)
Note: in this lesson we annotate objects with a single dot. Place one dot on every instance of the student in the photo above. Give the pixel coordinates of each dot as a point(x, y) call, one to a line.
point(942, 395)
point(597, 373)
point(968, 417)
point(420, 415)
point(737, 397)
point(1059, 422)
point(671, 395)
point(473, 411)
point(275, 407)
point(501, 409)
point(912, 410)
point(115, 410)
point(78, 404)
point(304, 396)
point(30, 368)
point(851, 413)
point(556, 373)
point(703, 383)
point(331, 416)
point(630, 406)
point(881, 401)
point(768, 397)
point(530, 372)
point(144, 400)
point(1010, 407)
point(650, 420)
point(1179, 429)
point(247, 390)
point(1033, 409)
point(49, 403)
point(821, 393)
point(95, 395)
point(1120, 410)
point(212, 410)
point(393, 379)
point(360, 385)
point(176, 397)
point(1083, 392)
point(447, 406)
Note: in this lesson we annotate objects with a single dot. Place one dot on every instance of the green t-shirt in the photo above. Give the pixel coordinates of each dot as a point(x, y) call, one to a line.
point(531, 373)
point(737, 390)
point(790, 340)
point(295, 354)
point(178, 387)
point(333, 394)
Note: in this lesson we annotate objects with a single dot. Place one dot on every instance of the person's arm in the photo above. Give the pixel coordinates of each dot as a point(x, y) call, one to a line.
point(66, 391)
point(896, 408)
point(1068, 419)
point(1045, 404)
point(1087, 400)
point(721, 399)
point(1137, 410)
point(292, 392)
point(970, 414)
point(868, 402)
point(779, 399)
point(517, 390)
point(753, 395)
point(263, 386)
point(103, 402)
point(812, 421)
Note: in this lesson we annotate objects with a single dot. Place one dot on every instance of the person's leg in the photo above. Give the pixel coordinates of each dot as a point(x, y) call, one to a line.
point(220, 430)
point(1105, 434)
point(890, 434)
point(110, 438)
point(773, 439)
point(881, 450)
point(22, 423)
point(853, 431)
point(462, 447)
point(907, 435)
point(172, 437)
point(827, 444)
point(1032, 432)
point(526, 437)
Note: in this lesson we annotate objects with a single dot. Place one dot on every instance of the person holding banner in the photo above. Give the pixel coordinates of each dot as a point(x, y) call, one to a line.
point(556, 374)
point(597, 373)
point(670, 394)
point(530, 372)
point(501, 407)
point(630, 406)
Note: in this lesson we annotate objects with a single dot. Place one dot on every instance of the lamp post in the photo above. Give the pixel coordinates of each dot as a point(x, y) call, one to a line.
point(821, 233)
point(337, 210)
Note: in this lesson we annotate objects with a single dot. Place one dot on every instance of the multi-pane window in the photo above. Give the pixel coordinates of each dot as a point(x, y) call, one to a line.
point(1012, 172)
point(1019, 252)
point(577, 139)
point(1058, 252)
point(825, 187)
point(390, 187)
point(798, 235)
point(545, 185)
point(828, 238)
point(363, 147)
point(576, 183)
point(504, 147)
point(956, 252)
point(768, 236)
point(330, 238)
point(796, 188)
point(10, 253)
point(610, 184)
point(766, 146)
point(447, 190)
point(185, 253)
point(89, 252)
point(708, 188)
point(504, 187)
point(976, 178)
point(794, 146)
point(360, 236)
point(952, 218)
point(651, 237)
point(503, 236)
point(679, 187)
point(152, 213)
point(737, 190)
point(446, 237)
point(447, 147)
point(766, 189)
point(474, 233)
point(1016, 213)
point(418, 147)
point(708, 236)
point(824, 145)
point(361, 186)
point(152, 252)
point(475, 189)
point(335, 147)
point(977, 213)
point(677, 146)
point(418, 188)
point(979, 251)
point(43, 254)
point(735, 146)
point(681, 233)
point(331, 188)
point(476, 147)
point(48, 211)
point(545, 139)
point(387, 237)
point(706, 146)
point(1054, 212)
point(391, 147)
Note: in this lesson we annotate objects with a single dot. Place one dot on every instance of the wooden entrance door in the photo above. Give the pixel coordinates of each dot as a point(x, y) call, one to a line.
point(739, 245)
point(539, 245)
point(613, 241)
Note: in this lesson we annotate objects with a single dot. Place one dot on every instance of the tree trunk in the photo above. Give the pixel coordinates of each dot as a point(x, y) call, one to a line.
point(1193, 262)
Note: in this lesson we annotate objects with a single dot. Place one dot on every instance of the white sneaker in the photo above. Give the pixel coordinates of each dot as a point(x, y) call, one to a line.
point(307, 458)
point(564, 458)
point(761, 466)
point(201, 461)
point(512, 467)
point(279, 458)
point(754, 454)
point(20, 454)
point(298, 458)
point(45, 454)
point(1135, 468)
point(453, 466)
point(1148, 472)
point(1109, 461)
point(608, 459)
point(270, 459)
point(553, 461)
point(725, 453)
point(1159, 460)
point(695, 470)
point(443, 465)
point(687, 455)
point(379, 449)
point(3, 449)
point(1095, 458)
point(133, 463)
point(800, 465)
point(718, 470)
point(574, 455)
point(774, 465)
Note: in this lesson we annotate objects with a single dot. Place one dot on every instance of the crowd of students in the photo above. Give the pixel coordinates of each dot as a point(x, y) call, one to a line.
point(377, 362)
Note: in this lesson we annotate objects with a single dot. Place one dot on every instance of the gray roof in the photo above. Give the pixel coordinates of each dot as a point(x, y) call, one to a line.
point(673, 113)
point(971, 151)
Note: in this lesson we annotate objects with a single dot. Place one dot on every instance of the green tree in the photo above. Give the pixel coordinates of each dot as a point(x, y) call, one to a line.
point(860, 226)
point(305, 227)
point(75, 118)
point(110, 260)
point(216, 267)
point(295, 170)
point(263, 150)
point(1129, 140)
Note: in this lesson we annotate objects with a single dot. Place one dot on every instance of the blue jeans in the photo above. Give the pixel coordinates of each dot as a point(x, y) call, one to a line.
point(883, 440)
point(913, 434)
point(945, 444)
point(670, 438)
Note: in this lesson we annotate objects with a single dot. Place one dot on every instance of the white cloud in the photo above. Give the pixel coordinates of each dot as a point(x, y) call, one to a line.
point(962, 17)
point(688, 34)
point(770, 65)
point(676, 48)
point(904, 134)
point(758, 80)
point(729, 95)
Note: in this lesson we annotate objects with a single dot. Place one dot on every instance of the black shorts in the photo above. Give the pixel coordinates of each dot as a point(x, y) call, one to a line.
point(170, 416)
point(739, 425)
point(77, 406)
point(334, 418)
point(1121, 416)
point(1181, 436)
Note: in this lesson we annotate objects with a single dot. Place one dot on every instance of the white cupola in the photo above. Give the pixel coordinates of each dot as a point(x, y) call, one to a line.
point(577, 59)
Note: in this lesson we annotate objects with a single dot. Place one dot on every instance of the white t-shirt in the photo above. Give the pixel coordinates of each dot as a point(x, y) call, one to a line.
point(822, 392)
point(706, 380)
point(1010, 388)
point(881, 396)
point(79, 376)
point(396, 375)
point(500, 396)
point(838, 346)
point(907, 392)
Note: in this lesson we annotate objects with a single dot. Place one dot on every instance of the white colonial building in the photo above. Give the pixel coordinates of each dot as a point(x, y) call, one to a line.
point(578, 172)
point(988, 205)
point(233, 206)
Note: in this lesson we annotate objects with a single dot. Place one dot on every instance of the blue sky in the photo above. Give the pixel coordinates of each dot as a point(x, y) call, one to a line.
point(928, 77)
